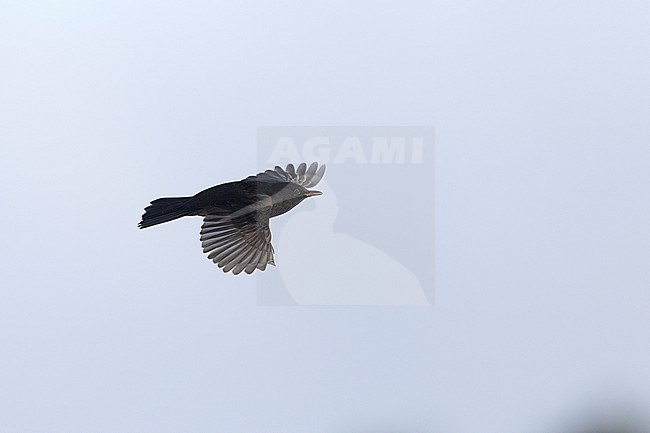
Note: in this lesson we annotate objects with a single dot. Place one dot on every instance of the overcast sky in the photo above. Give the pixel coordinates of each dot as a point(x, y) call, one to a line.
point(542, 238)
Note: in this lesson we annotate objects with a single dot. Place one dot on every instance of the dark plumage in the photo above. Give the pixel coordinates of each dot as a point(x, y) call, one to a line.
point(235, 232)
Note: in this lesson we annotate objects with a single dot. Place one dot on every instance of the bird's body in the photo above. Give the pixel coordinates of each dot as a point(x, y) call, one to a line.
point(235, 231)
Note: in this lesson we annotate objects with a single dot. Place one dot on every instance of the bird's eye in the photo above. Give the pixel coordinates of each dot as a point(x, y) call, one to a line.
point(296, 191)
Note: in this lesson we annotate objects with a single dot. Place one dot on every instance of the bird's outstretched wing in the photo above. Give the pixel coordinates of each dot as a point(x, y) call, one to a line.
point(239, 241)
point(307, 177)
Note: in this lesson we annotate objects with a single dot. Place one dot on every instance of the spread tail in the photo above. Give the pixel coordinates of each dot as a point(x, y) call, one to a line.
point(163, 210)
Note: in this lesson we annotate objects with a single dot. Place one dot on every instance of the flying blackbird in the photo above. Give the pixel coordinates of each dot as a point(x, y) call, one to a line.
point(235, 232)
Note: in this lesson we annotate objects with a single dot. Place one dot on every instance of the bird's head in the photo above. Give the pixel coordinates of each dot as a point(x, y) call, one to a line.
point(292, 195)
point(297, 192)
point(288, 188)
point(308, 193)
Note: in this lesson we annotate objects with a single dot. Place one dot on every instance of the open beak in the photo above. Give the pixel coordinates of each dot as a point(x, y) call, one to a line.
point(313, 193)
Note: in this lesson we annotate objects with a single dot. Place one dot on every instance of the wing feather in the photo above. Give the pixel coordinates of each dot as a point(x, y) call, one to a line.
point(307, 177)
point(239, 241)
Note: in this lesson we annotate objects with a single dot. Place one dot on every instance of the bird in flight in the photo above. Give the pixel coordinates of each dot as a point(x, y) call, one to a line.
point(235, 233)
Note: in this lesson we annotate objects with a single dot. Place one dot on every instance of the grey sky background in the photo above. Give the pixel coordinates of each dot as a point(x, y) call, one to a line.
point(542, 238)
